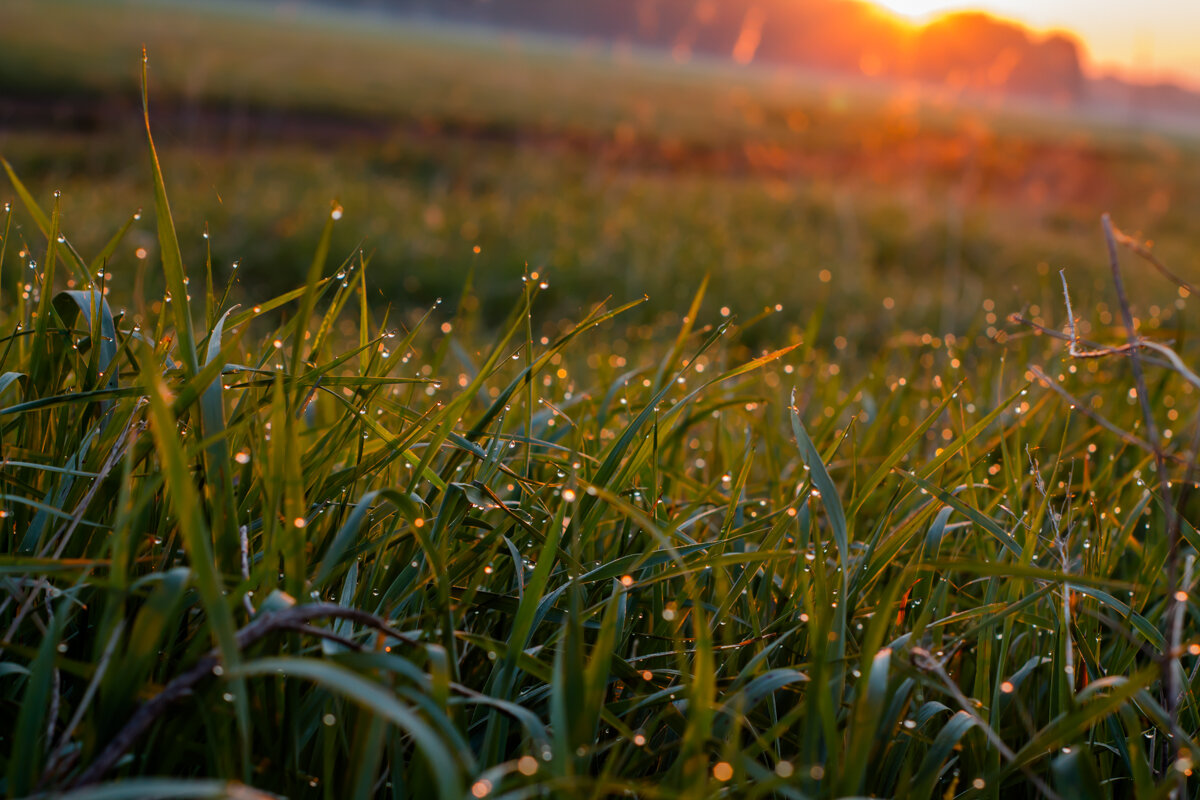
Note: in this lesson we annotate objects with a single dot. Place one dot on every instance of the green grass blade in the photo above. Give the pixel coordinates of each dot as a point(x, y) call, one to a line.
point(168, 243)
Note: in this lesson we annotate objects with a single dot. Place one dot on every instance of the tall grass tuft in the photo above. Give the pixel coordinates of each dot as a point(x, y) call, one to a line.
point(316, 548)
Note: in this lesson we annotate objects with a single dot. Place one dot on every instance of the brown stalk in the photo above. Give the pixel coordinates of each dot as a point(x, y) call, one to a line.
point(1174, 607)
point(1153, 443)
point(1144, 251)
point(1082, 408)
point(1098, 349)
point(294, 619)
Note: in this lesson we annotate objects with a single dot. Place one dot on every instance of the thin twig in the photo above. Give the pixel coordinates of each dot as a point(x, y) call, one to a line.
point(54, 762)
point(244, 538)
point(64, 533)
point(63, 536)
point(1135, 364)
point(1082, 408)
point(1135, 342)
point(182, 685)
point(1144, 251)
point(27, 605)
point(1106, 351)
point(322, 633)
point(1100, 352)
point(1135, 361)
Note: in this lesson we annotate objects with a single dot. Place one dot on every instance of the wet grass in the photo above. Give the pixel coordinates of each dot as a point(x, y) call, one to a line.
point(322, 547)
point(614, 173)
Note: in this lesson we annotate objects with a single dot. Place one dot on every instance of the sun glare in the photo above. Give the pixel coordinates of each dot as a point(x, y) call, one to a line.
point(919, 10)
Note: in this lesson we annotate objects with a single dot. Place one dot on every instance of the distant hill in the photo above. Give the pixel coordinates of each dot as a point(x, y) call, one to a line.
point(969, 52)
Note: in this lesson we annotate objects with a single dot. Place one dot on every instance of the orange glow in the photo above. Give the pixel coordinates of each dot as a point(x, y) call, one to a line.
point(1151, 40)
point(921, 9)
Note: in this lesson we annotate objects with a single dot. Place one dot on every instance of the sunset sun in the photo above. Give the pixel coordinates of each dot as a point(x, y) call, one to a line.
point(921, 9)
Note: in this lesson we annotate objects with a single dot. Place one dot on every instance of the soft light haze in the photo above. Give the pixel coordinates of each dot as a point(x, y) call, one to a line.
point(1145, 40)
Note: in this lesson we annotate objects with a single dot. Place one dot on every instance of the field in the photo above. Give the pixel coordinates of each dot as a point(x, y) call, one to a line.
point(474, 416)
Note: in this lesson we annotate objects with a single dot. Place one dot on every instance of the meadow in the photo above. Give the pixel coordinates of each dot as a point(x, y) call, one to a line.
point(545, 448)
point(616, 173)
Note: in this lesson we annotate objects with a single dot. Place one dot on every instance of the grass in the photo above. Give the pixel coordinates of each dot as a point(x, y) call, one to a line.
point(321, 547)
point(614, 174)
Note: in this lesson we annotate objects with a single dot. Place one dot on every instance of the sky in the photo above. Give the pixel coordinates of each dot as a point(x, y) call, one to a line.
point(1143, 39)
